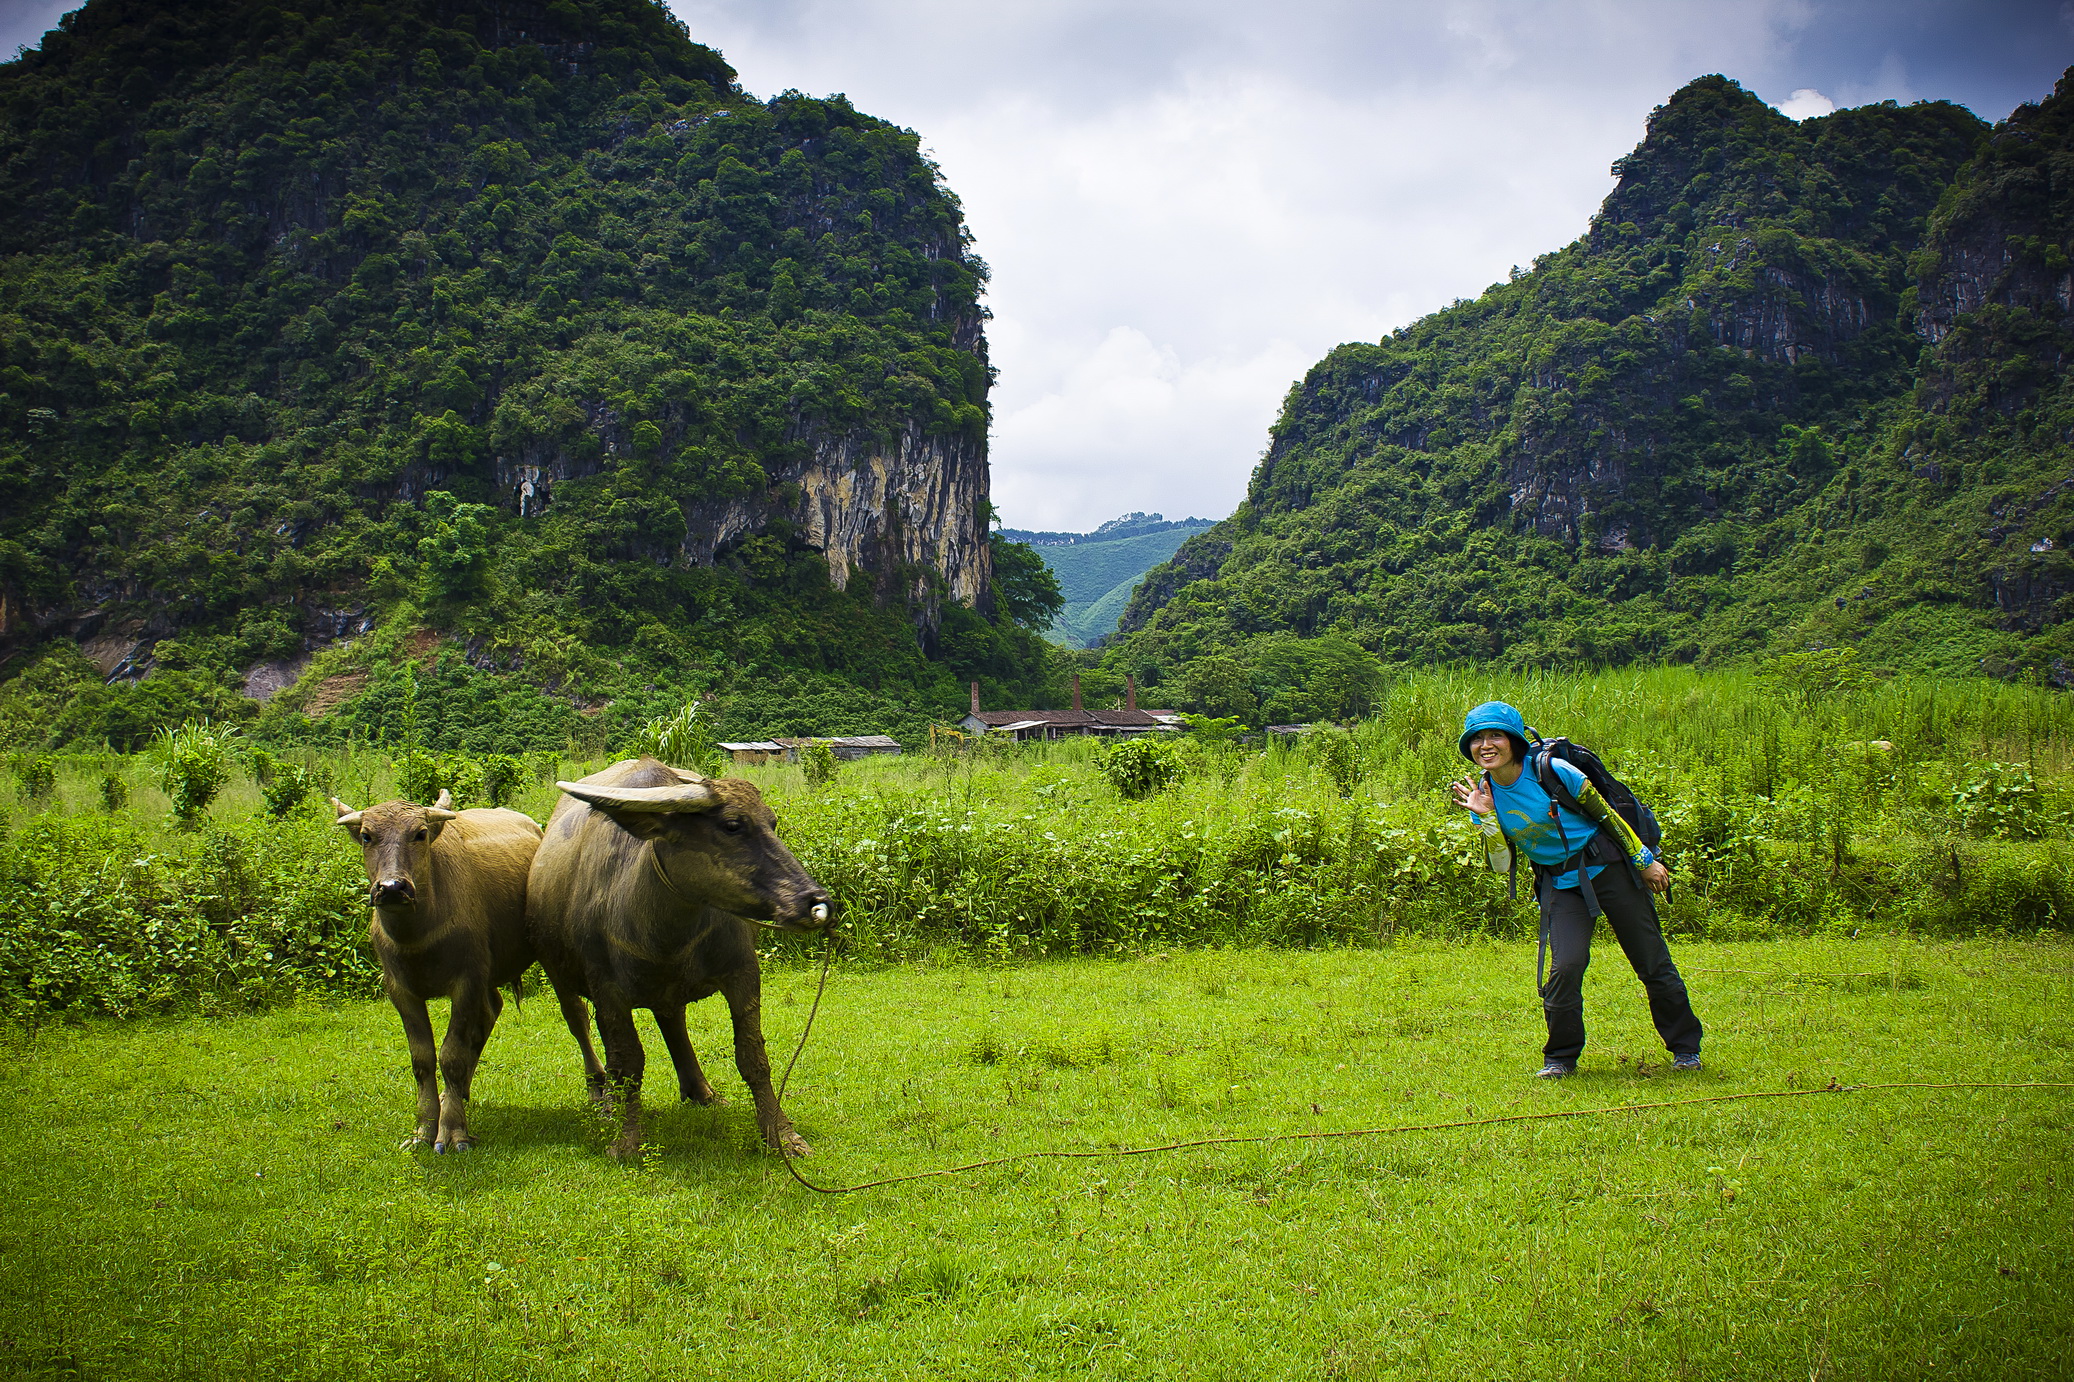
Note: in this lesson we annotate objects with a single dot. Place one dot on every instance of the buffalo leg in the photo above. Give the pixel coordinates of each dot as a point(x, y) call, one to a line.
point(743, 990)
point(625, 1062)
point(578, 1018)
point(692, 1085)
point(468, 1025)
point(417, 1031)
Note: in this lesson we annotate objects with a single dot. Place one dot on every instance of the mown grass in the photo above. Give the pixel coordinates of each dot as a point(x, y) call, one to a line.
point(190, 1197)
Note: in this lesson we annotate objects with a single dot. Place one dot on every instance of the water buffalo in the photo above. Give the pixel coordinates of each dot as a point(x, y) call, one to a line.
point(637, 900)
point(448, 890)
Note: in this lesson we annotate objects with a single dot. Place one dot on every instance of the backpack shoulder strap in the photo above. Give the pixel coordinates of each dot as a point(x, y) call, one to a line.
point(1550, 780)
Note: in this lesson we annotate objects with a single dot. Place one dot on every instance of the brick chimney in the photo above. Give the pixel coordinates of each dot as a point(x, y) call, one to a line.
point(1130, 692)
point(975, 698)
point(1076, 690)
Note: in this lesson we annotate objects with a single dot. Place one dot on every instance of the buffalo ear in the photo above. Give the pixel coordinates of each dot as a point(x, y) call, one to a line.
point(348, 818)
point(642, 825)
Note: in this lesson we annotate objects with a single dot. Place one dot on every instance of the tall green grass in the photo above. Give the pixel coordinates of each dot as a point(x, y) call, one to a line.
point(1914, 806)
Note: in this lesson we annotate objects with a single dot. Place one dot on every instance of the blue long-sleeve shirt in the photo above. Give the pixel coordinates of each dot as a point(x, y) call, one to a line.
point(1523, 820)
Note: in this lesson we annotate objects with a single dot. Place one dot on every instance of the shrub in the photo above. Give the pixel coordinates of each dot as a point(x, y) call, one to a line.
point(1999, 801)
point(684, 740)
point(115, 793)
point(287, 789)
point(194, 763)
point(1140, 767)
point(502, 776)
point(418, 777)
point(817, 761)
point(1337, 757)
point(422, 776)
point(37, 776)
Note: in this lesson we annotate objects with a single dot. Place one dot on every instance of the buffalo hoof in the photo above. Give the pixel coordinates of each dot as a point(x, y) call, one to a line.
point(791, 1143)
point(459, 1144)
point(707, 1098)
point(413, 1143)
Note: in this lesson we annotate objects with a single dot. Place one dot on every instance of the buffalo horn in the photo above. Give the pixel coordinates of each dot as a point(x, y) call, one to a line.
point(691, 796)
point(347, 816)
point(445, 802)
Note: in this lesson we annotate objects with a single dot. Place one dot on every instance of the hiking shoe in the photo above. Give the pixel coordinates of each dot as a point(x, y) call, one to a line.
point(1556, 1070)
point(1689, 1061)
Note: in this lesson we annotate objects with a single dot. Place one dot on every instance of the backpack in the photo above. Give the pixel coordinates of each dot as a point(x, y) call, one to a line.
point(1618, 794)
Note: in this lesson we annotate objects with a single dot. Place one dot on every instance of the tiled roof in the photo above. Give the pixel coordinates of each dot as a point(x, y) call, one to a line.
point(1001, 719)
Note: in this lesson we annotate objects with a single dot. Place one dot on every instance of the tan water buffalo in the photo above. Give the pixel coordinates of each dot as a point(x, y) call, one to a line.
point(637, 900)
point(448, 890)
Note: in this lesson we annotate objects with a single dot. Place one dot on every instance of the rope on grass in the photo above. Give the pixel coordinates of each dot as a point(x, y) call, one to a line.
point(828, 958)
point(1831, 1088)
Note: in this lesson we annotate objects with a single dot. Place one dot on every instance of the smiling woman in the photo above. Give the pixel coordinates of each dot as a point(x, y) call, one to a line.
point(1586, 861)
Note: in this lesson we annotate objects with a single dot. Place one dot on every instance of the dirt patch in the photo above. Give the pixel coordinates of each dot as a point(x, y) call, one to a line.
point(421, 645)
point(265, 680)
point(328, 694)
point(109, 651)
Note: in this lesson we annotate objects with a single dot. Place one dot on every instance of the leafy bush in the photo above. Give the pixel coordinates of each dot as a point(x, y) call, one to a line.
point(684, 740)
point(1337, 756)
point(194, 765)
point(1999, 801)
point(419, 777)
point(287, 789)
point(502, 776)
point(36, 776)
point(115, 793)
point(1141, 767)
point(99, 916)
point(817, 762)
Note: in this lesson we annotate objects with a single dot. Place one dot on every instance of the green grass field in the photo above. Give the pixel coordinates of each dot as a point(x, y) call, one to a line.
point(213, 1198)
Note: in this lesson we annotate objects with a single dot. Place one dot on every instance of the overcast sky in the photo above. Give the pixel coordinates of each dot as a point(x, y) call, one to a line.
point(1186, 203)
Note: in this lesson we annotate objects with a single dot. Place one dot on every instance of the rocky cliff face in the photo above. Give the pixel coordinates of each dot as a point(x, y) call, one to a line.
point(909, 514)
point(1995, 280)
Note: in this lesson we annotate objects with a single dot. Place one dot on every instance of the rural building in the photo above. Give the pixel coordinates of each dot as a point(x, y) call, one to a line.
point(844, 747)
point(1061, 724)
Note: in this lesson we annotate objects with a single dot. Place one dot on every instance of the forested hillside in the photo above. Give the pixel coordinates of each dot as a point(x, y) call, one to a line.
point(509, 326)
point(1799, 385)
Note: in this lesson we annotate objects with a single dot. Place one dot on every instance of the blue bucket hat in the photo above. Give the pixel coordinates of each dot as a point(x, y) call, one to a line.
point(1495, 715)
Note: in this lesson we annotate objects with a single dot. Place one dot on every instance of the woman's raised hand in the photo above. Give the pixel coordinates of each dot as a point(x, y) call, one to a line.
point(1472, 794)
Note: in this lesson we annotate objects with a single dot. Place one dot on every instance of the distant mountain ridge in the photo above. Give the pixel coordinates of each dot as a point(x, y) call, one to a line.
point(1097, 571)
point(1130, 525)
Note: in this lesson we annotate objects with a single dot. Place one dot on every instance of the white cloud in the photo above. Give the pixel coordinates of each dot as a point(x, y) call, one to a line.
point(1805, 103)
point(1128, 424)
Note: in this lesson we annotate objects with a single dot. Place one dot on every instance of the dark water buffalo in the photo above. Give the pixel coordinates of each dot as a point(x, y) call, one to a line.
point(637, 900)
point(448, 890)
